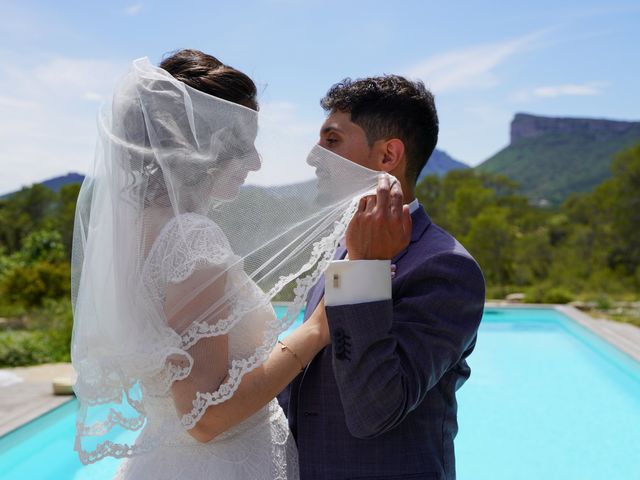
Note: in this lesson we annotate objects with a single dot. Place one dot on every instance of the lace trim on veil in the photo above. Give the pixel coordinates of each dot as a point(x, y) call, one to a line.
point(320, 256)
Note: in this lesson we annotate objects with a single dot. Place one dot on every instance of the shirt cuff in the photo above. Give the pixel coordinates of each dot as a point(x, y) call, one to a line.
point(348, 282)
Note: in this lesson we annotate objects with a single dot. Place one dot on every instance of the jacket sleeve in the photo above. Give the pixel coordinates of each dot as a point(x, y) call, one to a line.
point(283, 399)
point(388, 354)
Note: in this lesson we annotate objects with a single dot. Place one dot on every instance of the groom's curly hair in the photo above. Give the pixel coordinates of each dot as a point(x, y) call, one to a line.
point(390, 106)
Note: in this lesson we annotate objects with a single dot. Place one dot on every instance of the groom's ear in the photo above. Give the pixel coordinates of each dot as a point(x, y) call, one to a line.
point(392, 154)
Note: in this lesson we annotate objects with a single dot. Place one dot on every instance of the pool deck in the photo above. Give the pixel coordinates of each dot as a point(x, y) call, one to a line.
point(33, 396)
point(25, 401)
point(624, 336)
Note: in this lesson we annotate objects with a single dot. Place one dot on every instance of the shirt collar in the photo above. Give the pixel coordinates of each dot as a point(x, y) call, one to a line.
point(413, 206)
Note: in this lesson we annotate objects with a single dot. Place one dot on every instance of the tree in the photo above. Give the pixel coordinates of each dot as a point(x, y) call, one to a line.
point(25, 211)
point(491, 239)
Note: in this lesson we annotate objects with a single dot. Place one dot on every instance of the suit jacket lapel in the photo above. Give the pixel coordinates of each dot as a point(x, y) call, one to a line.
point(420, 222)
point(315, 294)
point(317, 291)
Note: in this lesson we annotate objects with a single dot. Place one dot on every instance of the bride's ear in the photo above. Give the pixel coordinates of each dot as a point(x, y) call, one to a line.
point(392, 154)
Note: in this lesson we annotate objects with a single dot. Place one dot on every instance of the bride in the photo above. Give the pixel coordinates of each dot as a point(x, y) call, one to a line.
point(175, 266)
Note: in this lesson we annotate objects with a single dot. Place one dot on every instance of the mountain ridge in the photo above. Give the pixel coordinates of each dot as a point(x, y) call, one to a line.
point(553, 157)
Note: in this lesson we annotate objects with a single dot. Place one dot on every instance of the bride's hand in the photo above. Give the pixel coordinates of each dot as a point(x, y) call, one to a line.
point(319, 319)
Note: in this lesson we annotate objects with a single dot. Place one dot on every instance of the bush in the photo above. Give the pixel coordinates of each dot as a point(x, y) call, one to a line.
point(12, 311)
point(56, 319)
point(42, 246)
point(47, 338)
point(30, 285)
point(542, 294)
point(603, 303)
point(498, 292)
point(18, 348)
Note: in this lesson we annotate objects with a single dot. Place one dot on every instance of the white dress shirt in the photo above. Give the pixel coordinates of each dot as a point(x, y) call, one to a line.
point(358, 281)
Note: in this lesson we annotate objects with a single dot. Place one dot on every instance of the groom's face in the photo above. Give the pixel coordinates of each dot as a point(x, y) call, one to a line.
point(343, 137)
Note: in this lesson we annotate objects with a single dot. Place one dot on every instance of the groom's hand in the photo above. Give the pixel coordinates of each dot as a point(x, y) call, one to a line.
point(381, 228)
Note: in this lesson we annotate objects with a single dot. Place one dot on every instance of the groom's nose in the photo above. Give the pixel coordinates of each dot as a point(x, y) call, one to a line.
point(314, 158)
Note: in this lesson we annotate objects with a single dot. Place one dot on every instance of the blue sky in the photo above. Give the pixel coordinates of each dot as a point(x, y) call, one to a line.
point(484, 62)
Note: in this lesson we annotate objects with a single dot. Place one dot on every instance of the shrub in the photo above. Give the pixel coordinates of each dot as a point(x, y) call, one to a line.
point(47, 338)
point(30, 285)
point(42, 246)
point(19, 348)
point(545, 294)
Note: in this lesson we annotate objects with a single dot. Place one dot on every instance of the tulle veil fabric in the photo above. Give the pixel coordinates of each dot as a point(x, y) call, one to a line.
point(165, 214)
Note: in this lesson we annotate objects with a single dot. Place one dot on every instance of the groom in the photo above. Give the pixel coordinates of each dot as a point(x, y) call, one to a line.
point(379, 401)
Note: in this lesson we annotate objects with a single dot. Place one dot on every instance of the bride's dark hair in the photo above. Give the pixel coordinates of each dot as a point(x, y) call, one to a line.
point(209, 75)
point(202, 72)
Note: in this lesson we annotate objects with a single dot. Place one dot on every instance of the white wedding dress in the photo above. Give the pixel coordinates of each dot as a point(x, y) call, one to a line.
point(175, 263)
point(261, 447)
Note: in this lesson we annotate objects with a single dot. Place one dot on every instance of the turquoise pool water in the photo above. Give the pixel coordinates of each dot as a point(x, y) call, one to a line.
point(546, 400)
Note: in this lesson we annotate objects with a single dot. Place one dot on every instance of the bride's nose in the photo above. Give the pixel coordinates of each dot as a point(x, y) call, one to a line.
point(254, 162)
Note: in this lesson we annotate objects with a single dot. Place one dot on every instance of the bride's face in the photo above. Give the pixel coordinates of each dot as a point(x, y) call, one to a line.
point(231, 172)
point(233, 155)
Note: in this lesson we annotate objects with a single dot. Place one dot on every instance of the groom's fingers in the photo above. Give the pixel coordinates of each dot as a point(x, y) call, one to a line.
point(362, 205)
point(395, 203)
point(382, 194)
point(371, 203)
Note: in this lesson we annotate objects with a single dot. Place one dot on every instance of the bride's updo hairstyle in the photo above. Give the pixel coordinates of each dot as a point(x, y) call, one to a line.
point(198, 71)
point(209, 75)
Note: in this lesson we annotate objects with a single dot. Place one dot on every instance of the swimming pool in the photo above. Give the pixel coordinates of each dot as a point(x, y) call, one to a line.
point(547, 399)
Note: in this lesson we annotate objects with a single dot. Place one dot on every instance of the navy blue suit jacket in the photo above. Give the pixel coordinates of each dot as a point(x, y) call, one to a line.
point(379, 402)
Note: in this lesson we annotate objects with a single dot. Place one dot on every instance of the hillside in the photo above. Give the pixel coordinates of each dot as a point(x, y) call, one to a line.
point(440, 163)
point(553, 157)
point(55, 183)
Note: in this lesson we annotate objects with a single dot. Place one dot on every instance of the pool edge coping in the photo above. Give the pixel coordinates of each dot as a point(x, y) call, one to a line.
point(612, 332)
point(59, 402)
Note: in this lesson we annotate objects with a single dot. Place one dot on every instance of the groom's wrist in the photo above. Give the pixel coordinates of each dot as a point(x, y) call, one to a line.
point(350, 282)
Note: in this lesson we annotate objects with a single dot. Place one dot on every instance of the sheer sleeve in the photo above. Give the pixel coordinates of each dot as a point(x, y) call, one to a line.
point(222, 321)
point(198, 266)
point(209, 354)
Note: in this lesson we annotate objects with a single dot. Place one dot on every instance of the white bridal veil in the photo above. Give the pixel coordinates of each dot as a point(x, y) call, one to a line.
point(176, 261)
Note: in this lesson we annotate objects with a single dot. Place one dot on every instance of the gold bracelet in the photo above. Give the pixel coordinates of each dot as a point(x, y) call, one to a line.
point(283, 347)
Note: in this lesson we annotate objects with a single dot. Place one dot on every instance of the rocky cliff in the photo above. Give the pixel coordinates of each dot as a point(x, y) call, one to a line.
point(525, 126)
point(551, 158)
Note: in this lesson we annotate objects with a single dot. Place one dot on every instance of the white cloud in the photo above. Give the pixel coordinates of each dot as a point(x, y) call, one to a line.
point(48, 116)
point(133, 9)
point(93, 97)
point(586, 89)
point(471, 67)
point(571, 89)
point(77, 77)
point(11, 102)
